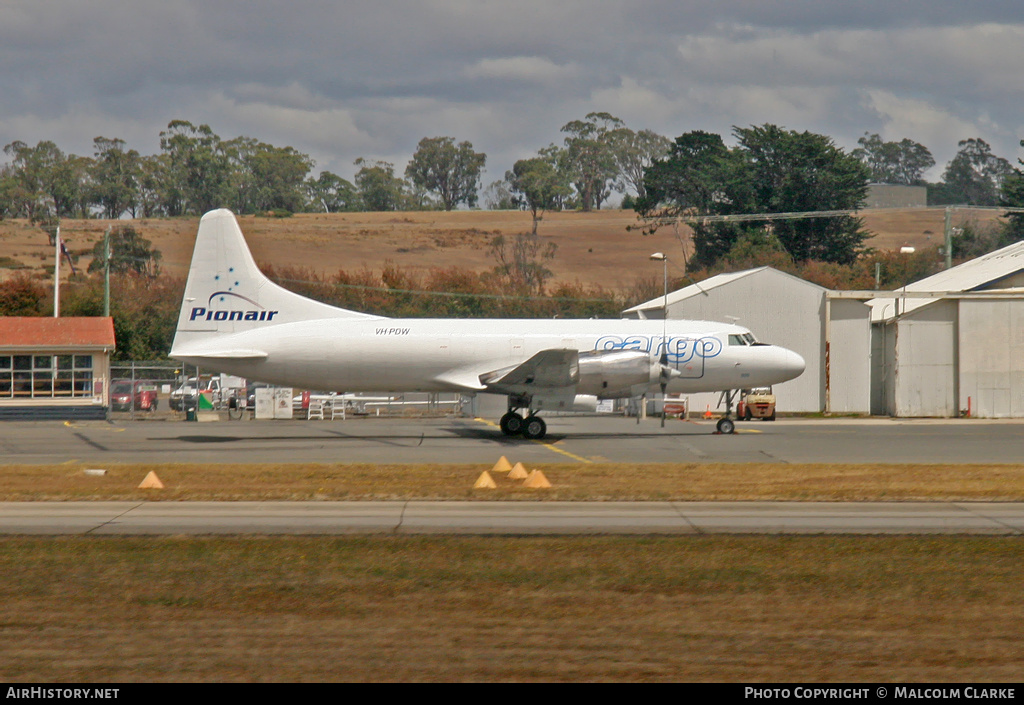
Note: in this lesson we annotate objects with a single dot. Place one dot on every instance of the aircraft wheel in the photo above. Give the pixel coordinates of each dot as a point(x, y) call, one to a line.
point(726, 426)
point(534, 428)
point(511, 424)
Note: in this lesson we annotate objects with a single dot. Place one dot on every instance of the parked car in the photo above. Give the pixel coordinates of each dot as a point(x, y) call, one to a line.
point(187, 394)
point(144, 398)
point(757, 404)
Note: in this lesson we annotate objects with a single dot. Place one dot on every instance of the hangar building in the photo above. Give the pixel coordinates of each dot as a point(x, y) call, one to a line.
point(832, 335)
point(953, 343)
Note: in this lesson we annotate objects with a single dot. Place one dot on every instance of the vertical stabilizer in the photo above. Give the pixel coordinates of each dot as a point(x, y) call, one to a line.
point(227, 293)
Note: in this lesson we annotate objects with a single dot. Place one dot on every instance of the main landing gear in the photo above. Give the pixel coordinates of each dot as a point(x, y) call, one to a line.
point(532, 427)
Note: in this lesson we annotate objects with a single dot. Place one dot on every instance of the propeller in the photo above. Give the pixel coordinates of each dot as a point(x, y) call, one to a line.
point(663, 377)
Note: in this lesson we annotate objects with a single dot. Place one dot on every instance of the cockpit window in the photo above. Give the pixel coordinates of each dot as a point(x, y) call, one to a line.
point(736, 339)
point(749, 337)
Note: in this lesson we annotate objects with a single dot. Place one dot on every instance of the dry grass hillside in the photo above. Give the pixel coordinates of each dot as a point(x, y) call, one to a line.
point(593, 248)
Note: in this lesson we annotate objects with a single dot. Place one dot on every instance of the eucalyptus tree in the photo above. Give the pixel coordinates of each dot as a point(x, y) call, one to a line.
point(42, 183)
point(450, 171)
point(197, 176)
point(634, 152)
point(975, 175)
point(379, 188)
point(537, 185)
point(265, 178)
point(331, 193)
point(589, 158)
point(116, 172)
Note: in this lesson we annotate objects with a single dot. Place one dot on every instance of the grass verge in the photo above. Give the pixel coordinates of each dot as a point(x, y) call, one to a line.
point(722, 481)
point(512, 609)
point(376, 608)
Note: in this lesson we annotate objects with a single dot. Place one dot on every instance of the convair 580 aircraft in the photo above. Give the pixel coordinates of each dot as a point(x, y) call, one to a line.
point(235, 320)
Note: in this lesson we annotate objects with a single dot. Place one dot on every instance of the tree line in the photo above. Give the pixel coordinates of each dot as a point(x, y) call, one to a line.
point(770, 169)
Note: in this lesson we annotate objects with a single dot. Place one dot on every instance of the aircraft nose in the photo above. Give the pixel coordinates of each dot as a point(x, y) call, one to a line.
point(793, 364)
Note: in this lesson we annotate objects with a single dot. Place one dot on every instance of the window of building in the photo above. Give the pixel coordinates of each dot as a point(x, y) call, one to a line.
point(45, 376)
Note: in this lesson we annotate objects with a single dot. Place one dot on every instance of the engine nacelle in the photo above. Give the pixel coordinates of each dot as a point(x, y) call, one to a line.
point(615, 374)
point(585, 402)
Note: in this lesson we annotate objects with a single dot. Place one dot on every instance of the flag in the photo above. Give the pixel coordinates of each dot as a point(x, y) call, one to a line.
point(64, 251)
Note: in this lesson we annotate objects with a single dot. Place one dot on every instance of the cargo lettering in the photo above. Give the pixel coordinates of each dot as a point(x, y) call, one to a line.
point(677, 350)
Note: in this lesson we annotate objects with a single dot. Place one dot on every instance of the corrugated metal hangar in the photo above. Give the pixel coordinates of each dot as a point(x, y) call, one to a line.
point(949, 345)
point(952, 344)
point(786, 310)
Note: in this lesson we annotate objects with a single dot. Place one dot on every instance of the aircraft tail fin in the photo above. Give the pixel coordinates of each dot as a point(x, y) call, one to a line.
point(227, 293)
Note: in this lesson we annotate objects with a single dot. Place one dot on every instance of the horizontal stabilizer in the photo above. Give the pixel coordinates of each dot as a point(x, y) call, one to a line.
point(234, 354)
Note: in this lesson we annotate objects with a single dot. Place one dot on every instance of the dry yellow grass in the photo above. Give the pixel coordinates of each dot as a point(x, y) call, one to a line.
point(705, 481)
point(812, 609)
point(388, 608)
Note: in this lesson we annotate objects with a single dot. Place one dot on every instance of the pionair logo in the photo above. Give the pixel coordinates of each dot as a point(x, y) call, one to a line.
point(208, 314)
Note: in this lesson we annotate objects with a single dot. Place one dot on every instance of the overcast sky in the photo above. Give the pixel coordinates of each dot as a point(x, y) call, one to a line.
point(342, 79)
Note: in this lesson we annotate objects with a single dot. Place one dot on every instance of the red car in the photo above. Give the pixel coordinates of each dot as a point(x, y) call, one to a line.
point(145, 395)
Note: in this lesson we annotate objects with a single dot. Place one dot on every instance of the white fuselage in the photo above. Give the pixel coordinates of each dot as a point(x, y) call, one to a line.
point(436, 355)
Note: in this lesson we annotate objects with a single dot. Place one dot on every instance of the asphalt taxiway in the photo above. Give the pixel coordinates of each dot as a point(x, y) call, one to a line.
point(508, 518)
point(466, 440)
point(575, 439)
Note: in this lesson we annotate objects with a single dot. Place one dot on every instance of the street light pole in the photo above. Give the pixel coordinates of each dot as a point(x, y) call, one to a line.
point(664, 330)
point(663, 258)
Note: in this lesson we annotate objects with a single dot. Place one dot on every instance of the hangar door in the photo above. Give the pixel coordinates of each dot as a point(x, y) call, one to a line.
point(992, 357)
point(926, 362)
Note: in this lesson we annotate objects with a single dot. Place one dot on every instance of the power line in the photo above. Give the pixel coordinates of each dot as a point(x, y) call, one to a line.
point(453, 294)
point(800, 215)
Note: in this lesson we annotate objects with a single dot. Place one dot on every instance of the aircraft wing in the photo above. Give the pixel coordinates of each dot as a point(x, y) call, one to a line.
point(547, 370)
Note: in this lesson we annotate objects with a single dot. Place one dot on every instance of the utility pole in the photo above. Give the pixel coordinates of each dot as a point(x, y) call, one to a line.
point(56, 275)
point(106, 273)
point(948, 230)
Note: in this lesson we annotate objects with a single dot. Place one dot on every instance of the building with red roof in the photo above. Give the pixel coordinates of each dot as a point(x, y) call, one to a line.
point(55, 368)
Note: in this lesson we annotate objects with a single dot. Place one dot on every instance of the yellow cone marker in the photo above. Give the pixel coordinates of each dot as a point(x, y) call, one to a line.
point(485, 482)
point(537, 481)
point(518, 472)
point(152, 482)
point(502, 465)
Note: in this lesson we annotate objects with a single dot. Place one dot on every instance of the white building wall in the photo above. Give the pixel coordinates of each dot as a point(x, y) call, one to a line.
point(849, 367)
point(778, 309)
point(883, 355)
point(925, 377)
point(991, 343)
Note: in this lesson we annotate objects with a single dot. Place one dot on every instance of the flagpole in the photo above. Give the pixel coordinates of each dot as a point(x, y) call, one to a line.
point(56, 276)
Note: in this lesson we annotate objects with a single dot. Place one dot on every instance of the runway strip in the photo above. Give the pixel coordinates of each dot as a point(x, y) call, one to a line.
point(508, 518)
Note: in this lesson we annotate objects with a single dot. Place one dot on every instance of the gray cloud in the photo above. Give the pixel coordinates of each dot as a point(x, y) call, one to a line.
point(370, 79)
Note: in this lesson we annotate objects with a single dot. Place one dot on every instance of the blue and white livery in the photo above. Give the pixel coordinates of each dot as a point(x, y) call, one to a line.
point(235, 320)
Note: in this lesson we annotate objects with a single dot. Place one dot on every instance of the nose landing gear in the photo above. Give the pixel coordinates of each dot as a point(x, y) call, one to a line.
point(726, 425)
